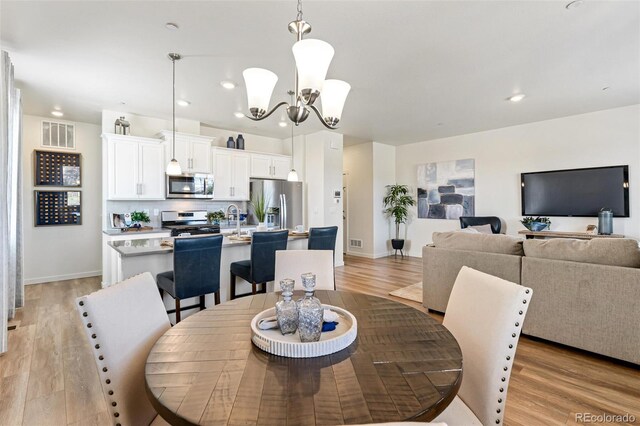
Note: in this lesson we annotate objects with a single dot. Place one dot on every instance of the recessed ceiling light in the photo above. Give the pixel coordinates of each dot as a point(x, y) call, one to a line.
point(228, 84)
point(516, 98)
point(183, 103)
point(57, 108)
point(282, 124)
point(238, 114)
point(57, 113)
point(171, 26)
point(574, 4)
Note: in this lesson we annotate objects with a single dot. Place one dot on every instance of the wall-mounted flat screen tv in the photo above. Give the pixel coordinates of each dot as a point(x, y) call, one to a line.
point(576, 192)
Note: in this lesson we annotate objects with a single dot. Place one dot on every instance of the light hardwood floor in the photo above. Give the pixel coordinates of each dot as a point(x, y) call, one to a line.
point(49, 376)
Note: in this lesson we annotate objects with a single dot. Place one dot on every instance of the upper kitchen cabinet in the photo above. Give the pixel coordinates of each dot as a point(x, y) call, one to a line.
point(231, 174)
point(134, 167)
point(270, 166)
point(193, 152)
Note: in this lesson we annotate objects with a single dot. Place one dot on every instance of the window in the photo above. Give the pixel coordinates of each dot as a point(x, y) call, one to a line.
point(58, 135)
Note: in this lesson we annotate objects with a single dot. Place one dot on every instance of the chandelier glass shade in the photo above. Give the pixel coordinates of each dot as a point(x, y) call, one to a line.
point(313, 58)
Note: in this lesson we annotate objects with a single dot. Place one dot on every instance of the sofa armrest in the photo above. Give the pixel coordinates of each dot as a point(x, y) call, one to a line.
point(587, 306)
point(440, 269)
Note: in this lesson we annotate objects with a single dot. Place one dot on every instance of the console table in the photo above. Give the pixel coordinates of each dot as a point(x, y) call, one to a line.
point(556, 234)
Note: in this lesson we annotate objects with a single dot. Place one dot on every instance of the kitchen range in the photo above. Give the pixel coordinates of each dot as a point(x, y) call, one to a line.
point(187, 223)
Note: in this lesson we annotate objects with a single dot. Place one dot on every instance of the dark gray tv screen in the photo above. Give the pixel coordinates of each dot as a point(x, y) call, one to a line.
point(577, 192)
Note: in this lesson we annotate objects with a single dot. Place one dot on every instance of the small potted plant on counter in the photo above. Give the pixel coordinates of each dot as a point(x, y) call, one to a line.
point(536, 224)
point(216, 217)
point(396, 203)
point(137, 217)
point(260, 207)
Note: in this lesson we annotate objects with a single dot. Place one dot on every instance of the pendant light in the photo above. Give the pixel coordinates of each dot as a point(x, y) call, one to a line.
point(173, 168)
point(293, 175)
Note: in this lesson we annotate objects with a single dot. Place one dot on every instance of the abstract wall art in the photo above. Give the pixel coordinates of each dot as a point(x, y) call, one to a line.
point(446, 189)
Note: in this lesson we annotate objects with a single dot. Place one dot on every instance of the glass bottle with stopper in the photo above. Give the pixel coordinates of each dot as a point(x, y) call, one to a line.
point(309, 311)
point(287, 309)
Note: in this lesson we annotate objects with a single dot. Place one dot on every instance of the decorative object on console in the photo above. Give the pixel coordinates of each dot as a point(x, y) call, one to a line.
point(231, 144)
point(396, 204)
point(240, 142)
point(173, 168)
point(122, 126)
point(605, 221)
point(446, 189)
point(536, 224)
point(592, 230)
point(313, 58)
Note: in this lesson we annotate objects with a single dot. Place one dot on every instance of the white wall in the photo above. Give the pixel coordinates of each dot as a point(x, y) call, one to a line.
point(54, 253)
point(384, 173)
point(358, 168)
point(323, 175)
point(603, 138)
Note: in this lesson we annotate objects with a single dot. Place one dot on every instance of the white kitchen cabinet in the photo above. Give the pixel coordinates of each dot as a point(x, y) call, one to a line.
point(231, 174)
point(192, 151)
point(134, 167)
point(268, 166)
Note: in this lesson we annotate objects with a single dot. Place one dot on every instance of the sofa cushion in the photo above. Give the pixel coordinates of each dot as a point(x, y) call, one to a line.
point(602, 251)
point(489, 243)
point(483, 229)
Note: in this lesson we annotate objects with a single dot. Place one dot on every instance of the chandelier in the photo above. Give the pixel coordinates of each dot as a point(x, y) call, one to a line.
point(313, 58)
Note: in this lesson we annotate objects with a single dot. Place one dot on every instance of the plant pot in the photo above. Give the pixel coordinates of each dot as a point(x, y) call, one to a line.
point(261, 227)
point(397, 244)
point(536, 226)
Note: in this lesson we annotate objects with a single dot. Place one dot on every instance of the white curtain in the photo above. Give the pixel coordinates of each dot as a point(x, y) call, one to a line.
point(12, 286)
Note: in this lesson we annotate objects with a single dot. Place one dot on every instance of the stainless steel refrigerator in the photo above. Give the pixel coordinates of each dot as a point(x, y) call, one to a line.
point(284, 201)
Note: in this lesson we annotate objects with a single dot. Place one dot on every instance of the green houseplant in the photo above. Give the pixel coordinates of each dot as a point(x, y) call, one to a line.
point(137, 217)
point(260, 206)
point(397, 203)
point(536, 224)
point(216, 217)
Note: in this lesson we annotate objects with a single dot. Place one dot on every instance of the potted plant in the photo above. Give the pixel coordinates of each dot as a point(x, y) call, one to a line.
point(396, 203)
point(216, 217)
point(260, 206)
point(137, 217)
point(536, 224)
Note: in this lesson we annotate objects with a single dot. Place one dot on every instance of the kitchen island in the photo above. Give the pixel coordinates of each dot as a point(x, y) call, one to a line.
point(135, 256)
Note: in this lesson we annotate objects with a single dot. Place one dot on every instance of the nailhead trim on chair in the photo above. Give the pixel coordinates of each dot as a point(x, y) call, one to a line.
point(508, 358)
point(101, 358)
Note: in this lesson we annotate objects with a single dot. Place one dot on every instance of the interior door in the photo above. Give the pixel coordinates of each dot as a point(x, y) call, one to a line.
point(151, 174)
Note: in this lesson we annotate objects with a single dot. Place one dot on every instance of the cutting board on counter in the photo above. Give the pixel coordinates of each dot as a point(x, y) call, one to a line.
point(142, 228)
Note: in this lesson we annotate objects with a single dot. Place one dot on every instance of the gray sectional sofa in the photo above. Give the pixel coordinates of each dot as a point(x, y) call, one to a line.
point(586, 294)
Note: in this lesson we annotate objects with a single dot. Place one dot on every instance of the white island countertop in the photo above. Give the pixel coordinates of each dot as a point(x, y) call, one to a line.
point(149, 246)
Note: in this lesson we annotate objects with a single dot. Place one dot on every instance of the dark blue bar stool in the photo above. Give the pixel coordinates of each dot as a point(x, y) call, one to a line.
point(196, 271)
point(260, 269)
point(323, 238)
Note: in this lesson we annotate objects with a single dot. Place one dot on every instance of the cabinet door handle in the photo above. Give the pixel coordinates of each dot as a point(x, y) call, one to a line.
point(141, 188)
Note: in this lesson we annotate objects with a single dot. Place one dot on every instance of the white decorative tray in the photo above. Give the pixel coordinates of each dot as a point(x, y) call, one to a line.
point(290, 346)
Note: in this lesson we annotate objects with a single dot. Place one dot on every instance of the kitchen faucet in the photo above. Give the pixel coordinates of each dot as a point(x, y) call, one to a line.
point(237, 216)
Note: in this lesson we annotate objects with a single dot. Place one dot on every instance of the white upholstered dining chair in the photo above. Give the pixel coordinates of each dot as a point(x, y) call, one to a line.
point(485, 314)
point(122, 323)
point(293, 263)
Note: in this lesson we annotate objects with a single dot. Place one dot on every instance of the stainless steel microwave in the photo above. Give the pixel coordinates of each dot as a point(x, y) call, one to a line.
point(197, 185)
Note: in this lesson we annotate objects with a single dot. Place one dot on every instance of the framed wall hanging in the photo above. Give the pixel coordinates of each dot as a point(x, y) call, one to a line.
point(58, 208)
point(54, 168)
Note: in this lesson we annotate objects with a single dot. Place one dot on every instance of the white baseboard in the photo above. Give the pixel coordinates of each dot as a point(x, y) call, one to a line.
point(356, 254)
point(51, 278)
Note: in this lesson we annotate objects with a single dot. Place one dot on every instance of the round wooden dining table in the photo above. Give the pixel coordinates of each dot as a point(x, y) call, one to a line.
point(403, 365)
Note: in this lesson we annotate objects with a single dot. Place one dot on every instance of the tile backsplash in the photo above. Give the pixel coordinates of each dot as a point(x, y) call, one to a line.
point(139, 205)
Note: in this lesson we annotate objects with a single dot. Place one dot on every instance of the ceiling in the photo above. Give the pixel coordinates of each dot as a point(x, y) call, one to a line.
point(419, 70)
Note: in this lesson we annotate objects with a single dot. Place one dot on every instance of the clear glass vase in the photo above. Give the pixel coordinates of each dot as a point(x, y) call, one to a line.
point(287, 309)
point(309, 311)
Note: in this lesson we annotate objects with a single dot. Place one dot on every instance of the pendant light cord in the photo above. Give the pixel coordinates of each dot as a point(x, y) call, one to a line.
point(173, 60)
point(299, 16)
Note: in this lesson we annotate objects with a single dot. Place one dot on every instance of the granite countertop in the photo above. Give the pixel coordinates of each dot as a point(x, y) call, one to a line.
point(116, 231)
point(147, 246)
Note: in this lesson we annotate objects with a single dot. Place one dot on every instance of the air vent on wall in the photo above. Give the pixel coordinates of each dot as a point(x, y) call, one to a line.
point(58, 135)
point(355, 243)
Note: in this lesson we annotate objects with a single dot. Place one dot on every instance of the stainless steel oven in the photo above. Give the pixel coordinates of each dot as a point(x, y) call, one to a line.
point(197, 185)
